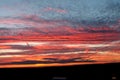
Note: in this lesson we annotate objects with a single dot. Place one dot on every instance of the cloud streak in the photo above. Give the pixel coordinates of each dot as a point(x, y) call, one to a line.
point(11, 51)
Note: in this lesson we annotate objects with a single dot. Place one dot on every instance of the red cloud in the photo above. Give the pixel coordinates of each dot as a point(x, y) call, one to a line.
point(31, 17)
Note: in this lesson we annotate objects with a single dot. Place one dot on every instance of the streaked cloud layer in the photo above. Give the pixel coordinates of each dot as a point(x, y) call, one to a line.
point(36, 33)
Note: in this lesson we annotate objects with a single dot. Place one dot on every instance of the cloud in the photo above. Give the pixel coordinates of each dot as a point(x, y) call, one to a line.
point(11, 51)
point(31, 43)
point(49, 61)
point(34, 25)
point(57, 10)
point(10, 56)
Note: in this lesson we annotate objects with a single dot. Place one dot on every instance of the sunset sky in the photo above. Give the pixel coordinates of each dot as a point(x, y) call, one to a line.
point(53, 32)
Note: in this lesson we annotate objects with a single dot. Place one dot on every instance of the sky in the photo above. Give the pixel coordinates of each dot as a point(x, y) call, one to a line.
point(42, 32)
point(90, 12)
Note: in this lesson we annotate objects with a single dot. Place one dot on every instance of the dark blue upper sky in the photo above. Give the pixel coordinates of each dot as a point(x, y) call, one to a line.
point(79, 11)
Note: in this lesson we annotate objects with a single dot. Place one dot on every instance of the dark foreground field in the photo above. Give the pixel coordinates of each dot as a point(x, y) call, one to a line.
point(81, 72)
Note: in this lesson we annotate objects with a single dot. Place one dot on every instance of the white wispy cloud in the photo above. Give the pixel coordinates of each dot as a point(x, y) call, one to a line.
point(25, 43)
point(11, 51)
point(8, 56)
